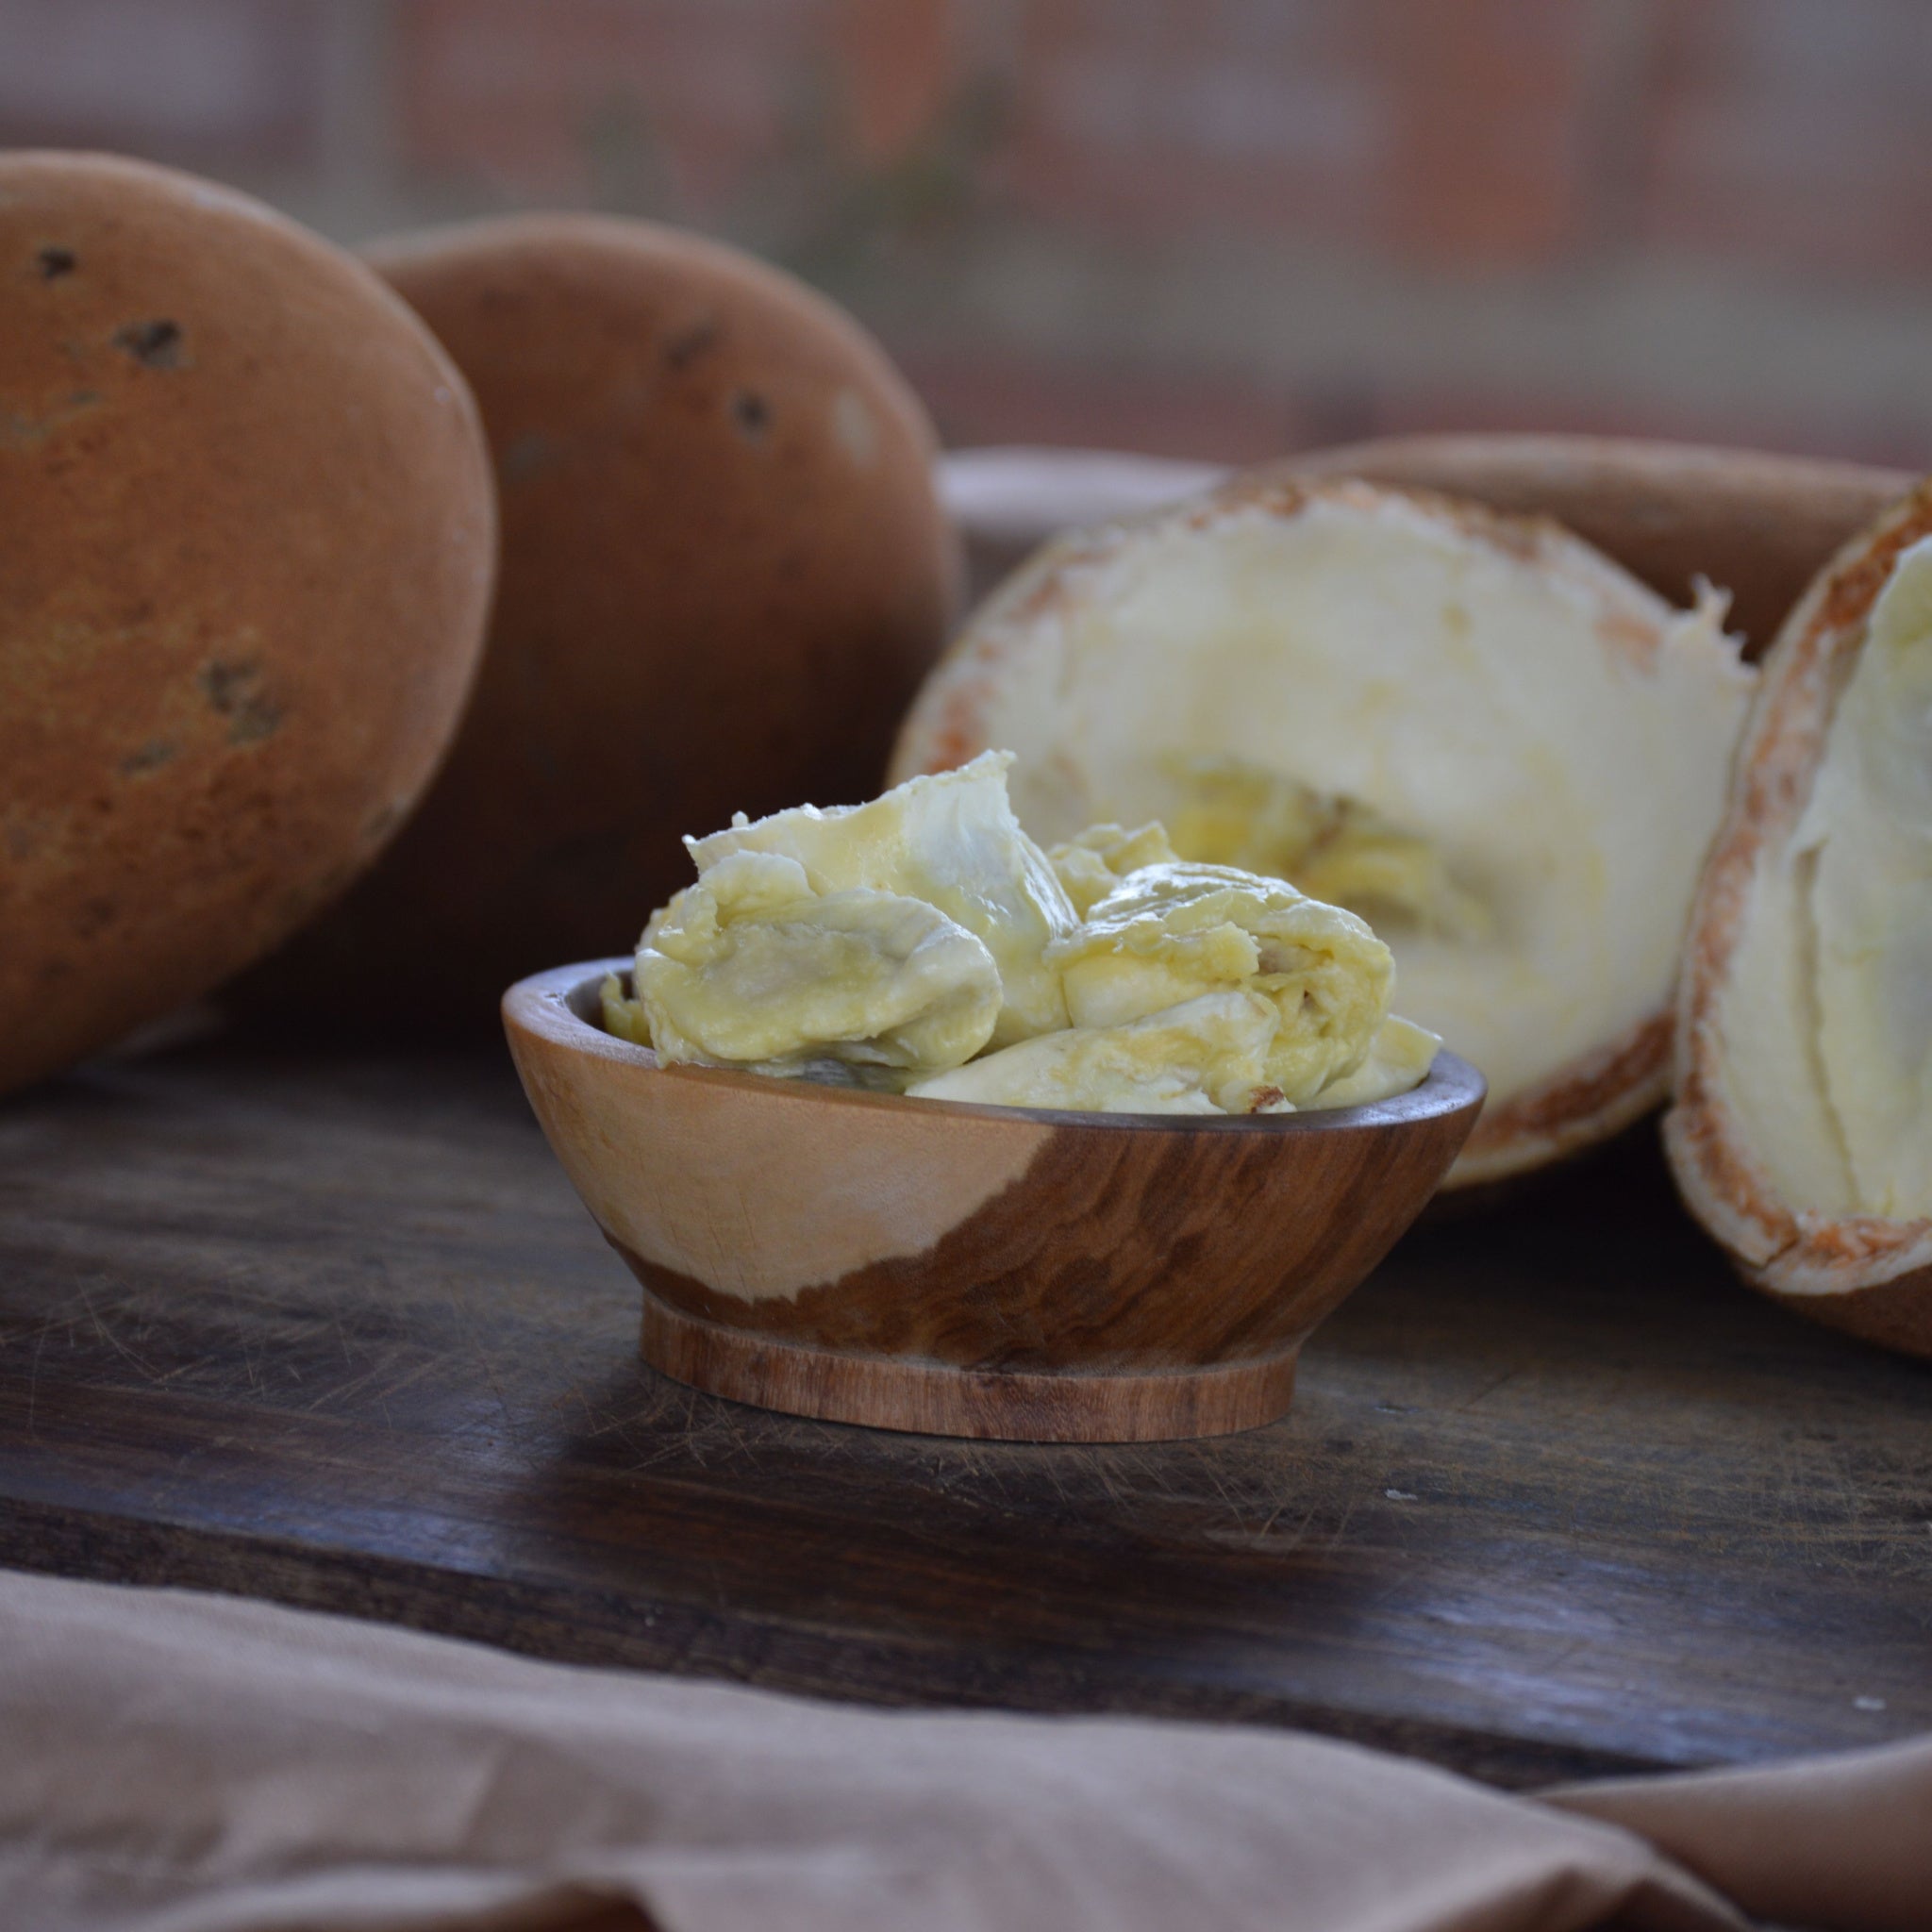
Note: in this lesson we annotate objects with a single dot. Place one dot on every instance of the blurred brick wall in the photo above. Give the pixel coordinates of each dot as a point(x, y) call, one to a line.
point(1208, 227)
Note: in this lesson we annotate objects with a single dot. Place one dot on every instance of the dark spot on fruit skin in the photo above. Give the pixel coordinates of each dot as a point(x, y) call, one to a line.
point(687, 344)
point(150, 758)
point(153, 344)
point(25, 432)
point(55, 262)
point(225, 683)
point(255, 720)
point(231, 690)
point(752, 414)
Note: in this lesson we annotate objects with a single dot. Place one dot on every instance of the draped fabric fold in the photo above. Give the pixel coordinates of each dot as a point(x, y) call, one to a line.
point(172, 1761)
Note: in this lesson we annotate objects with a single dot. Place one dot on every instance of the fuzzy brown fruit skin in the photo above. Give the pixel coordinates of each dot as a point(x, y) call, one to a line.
point(724, 572)
point(1866, 1274)
point(246, 537)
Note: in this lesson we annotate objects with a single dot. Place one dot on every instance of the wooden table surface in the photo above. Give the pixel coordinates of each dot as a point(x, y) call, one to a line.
point(1557, 1496)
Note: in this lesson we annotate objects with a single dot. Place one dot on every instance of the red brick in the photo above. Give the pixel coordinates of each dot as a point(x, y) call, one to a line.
point(1449, 130)
point(1157, 116)
point(1794, 132)
point(1488, 153)
point(900, 65)
point(207, 82)
point(525, 93)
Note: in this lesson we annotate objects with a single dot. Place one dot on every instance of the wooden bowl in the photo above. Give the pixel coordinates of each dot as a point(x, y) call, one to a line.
point(973, 1271)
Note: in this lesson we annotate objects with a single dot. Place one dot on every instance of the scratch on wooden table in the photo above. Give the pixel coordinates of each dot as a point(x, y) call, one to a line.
point(305, 1365)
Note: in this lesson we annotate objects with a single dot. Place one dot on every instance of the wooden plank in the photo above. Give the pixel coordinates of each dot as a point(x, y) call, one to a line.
point(1555, 1496)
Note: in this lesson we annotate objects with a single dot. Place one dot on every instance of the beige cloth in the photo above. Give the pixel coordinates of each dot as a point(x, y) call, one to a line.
point(1842, 1842)
point(171, 1761)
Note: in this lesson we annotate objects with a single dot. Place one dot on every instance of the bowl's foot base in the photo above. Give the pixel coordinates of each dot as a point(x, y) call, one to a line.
point(929, 1398)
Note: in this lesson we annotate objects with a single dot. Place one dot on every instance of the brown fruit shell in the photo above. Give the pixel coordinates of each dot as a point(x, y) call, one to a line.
point(1864, 1274)
point(1759, 525)
point(1582, 1102)
point(724, 569)
point(246, 543)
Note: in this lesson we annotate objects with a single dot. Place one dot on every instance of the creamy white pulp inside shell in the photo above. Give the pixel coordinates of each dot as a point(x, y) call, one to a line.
point(1559, 732)
point(1825, 1022)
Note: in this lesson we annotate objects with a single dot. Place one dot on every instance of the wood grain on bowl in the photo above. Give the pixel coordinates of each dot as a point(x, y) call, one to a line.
point(973, 1270)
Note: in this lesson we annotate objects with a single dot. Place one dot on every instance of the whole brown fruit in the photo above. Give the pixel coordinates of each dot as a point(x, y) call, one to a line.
point(246, 537)
point(723, 572)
